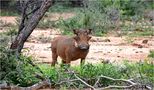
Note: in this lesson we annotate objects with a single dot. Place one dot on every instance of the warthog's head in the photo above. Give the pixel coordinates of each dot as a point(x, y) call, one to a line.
point(82, 38)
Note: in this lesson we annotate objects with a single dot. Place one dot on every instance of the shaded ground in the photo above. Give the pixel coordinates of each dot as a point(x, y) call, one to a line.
point(114, 49)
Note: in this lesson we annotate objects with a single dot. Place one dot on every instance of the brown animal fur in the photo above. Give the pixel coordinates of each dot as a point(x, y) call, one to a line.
point(71, 48)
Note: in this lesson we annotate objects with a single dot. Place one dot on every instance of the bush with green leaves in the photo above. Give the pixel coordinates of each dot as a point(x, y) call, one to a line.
point(105, 15)
point(141, 72)
point(151, 54)
point(8, 8)
point(15, 69)
point(85, 19)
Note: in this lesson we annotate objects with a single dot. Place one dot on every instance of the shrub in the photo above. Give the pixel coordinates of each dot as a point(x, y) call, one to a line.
point(140, 72)
point(103, 16)
point(11, 32)
point(8, 8)
point(15, 69)
point(146, 72)
point(91, 72)
point(151, 54)
point(46, 23)
point(85, 19)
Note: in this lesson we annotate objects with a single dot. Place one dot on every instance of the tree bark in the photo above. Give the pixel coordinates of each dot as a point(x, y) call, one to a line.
point(30, 25)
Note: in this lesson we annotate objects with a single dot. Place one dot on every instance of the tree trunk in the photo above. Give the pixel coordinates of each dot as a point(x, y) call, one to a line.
point(30, 25)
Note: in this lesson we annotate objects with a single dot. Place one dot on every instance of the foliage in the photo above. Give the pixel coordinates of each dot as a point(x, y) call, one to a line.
point(8, 8)
point(90, 72)
point(105, 15)
point(151, 54)
point(85, 19)
point(8, 13)
point(61, 7)
point(146, 71)
point(46, 23)
point(11, 32)
point(102, 16)
point(141, 72)
point(15, 69)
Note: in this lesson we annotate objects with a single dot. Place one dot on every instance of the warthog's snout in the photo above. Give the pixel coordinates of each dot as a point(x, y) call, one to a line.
point(84, 47)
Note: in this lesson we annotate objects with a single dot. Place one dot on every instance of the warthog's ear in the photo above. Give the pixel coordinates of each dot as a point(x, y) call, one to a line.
point(75, 31)
point(89, 31)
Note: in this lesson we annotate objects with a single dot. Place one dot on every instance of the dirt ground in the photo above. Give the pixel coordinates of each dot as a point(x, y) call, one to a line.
point(112, 49)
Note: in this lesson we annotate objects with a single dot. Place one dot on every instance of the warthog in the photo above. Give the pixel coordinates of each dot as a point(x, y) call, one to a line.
point(71, 48)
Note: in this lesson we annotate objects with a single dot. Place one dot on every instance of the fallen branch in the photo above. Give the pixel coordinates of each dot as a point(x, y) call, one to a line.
point(123, 80)
point(129, 81)
point(132, 84)
point(78, 78)
point(84, 82)
point(124, 87)
point(33, 87)
point(67, 81)
point(117, 87)
point(95, 85)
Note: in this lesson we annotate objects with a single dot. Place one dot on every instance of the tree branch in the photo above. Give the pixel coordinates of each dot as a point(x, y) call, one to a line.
point(132, 84)
point(84, 82)
point(123, 80)
point(23, 16)
point(67, 81)
point(31, 23)
point(33, 87)
point(72, 72)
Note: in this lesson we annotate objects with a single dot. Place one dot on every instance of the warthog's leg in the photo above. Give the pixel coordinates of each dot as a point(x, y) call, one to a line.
point(64, 62)
point(82, 61)
point(54, 57)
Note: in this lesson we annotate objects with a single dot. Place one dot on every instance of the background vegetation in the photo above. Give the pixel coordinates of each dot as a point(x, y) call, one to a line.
point(100, 15)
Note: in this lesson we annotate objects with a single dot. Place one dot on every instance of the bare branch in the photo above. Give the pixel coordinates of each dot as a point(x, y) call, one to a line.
point(117, 87)
point(96, 82)
point(23, 16)
point(132, 84)
point(33, 87)
point(72, 72)
point(123, 80)
point(67, 81)
point(129, 81)
point(84, 82)
point(33, 11)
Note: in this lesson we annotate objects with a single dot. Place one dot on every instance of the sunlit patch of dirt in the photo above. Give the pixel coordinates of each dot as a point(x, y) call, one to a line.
point(9, 19)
